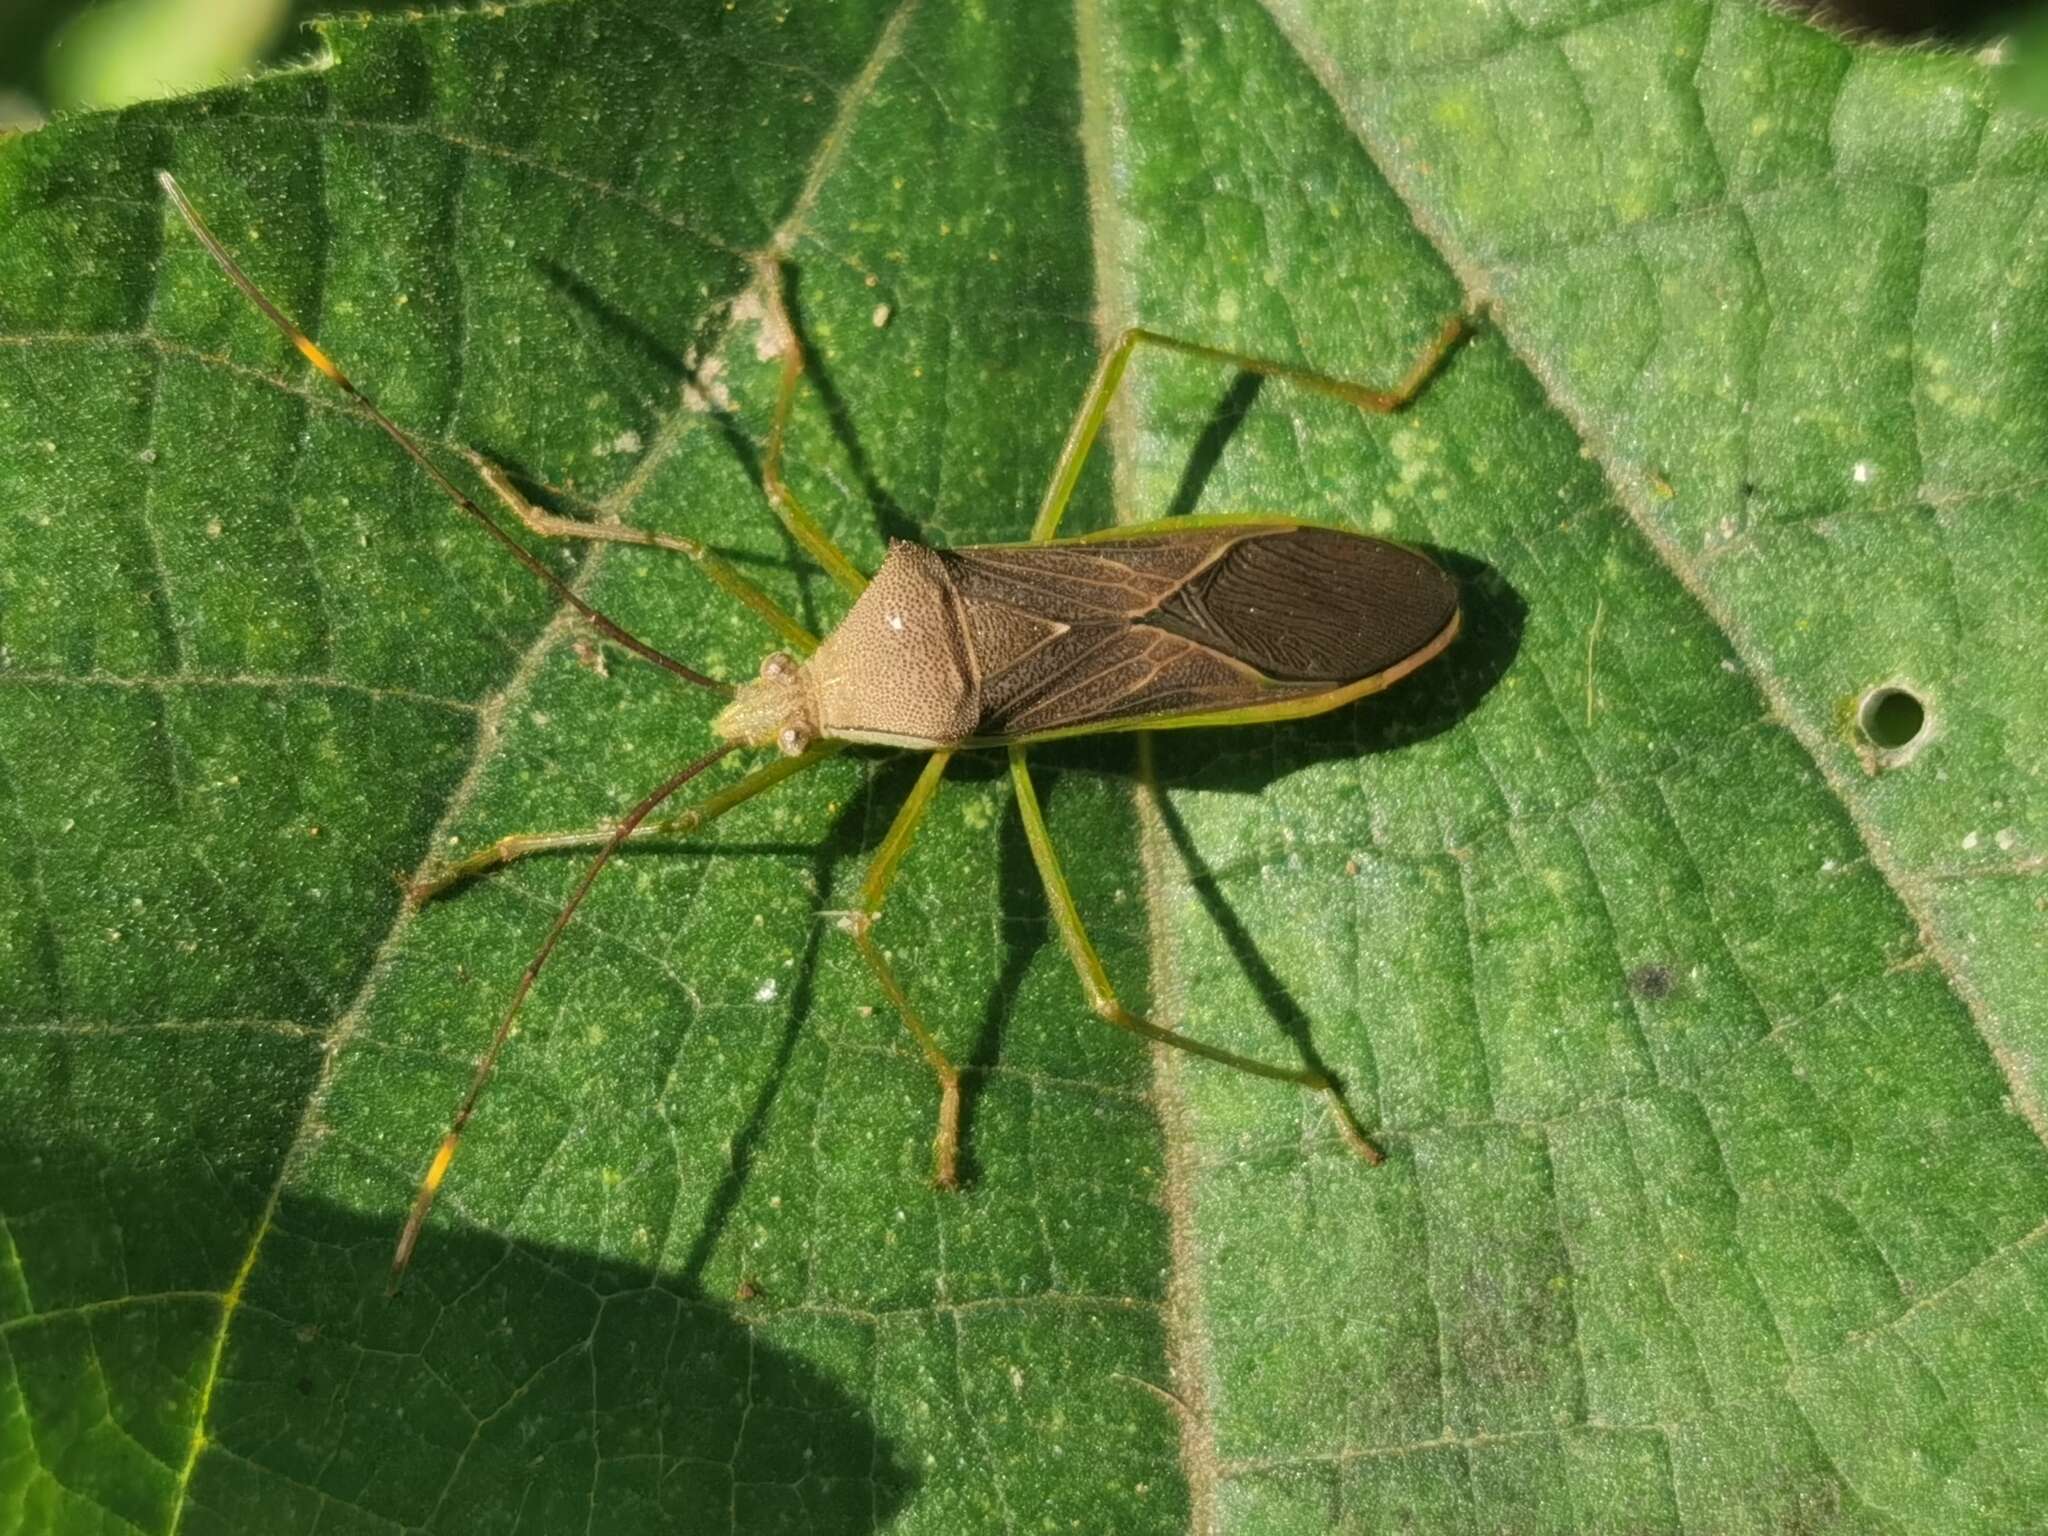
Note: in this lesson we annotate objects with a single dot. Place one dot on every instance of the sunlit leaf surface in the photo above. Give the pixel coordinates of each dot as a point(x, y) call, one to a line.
point(1708, 1042)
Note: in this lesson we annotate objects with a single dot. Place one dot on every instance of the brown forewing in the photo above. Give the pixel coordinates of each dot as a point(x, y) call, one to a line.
point(1069, 635)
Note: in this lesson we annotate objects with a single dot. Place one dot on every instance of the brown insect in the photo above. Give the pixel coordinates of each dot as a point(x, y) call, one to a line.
point(1193, 621)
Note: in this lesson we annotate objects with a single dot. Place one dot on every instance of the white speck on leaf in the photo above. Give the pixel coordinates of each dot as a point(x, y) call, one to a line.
point(705, 392)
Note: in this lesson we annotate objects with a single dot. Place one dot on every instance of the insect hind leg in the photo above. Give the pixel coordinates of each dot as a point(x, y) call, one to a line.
point(1102, 996)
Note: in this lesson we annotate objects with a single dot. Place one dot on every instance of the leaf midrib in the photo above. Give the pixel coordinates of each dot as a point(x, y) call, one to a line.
point(1189, 1345)
point(1189, 1349)
point(1471, 274)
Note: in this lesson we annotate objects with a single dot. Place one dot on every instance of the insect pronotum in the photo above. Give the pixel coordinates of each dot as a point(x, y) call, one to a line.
point(1187, 622)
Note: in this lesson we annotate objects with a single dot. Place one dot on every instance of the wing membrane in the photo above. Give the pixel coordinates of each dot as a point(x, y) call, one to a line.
point(1085, 635)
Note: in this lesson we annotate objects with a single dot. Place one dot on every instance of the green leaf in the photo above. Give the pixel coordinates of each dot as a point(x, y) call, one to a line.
point(1706, 1039)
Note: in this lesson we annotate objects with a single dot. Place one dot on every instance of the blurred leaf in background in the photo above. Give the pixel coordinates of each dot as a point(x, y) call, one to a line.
point(65, 55)
point(59, 55)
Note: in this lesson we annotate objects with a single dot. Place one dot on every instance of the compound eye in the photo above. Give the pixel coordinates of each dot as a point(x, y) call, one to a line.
point(777, 665)
point(793, 740)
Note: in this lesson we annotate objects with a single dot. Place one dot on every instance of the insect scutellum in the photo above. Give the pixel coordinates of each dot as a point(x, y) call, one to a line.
point(1207, 621)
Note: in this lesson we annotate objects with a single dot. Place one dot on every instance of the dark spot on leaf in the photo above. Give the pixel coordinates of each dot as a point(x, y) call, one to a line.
point(1509, 1330)
point(1654, 982)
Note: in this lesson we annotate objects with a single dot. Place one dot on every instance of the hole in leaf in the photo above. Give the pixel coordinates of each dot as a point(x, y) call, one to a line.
point(1891, 718)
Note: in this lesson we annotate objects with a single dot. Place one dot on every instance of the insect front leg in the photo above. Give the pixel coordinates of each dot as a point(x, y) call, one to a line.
point(801, 526)
point(1102, 997)
point(549, 526)
point(1109, 374)
point(860, 922)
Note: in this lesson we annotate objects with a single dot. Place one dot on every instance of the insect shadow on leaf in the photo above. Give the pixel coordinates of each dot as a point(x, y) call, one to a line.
point(845, 838)
point(686, 376)
point(1232, 407)
point(1024, 934)
point(1286, 1013)
point(894, 522)
point(1233, 762)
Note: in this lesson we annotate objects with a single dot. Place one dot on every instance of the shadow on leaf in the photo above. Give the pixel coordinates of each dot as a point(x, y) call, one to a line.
point(503, 1389)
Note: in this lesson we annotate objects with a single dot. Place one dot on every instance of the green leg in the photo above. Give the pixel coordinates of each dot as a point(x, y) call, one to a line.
point(447, 876)
point(860, 922)
point(801, 525)
point(722, 574)
point(1102, 997)
point(1110, 371)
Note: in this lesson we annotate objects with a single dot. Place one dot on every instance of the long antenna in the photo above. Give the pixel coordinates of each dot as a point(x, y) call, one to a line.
point(438, 1169)
point(319, 359)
